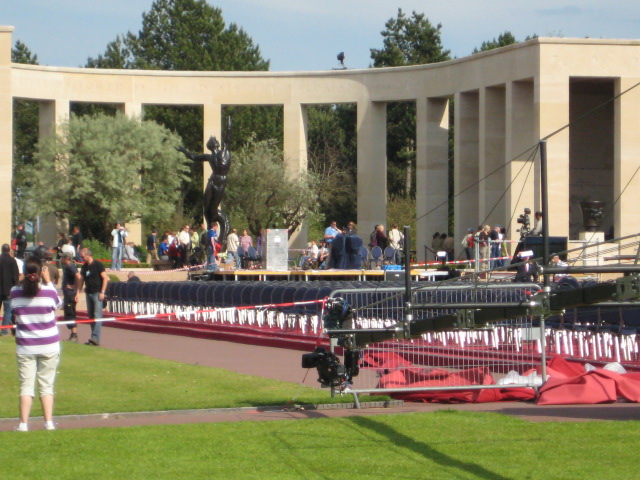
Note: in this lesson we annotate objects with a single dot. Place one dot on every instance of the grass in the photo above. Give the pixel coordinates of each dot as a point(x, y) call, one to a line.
point(99, 380)
point(446, 444)
point(439, 445)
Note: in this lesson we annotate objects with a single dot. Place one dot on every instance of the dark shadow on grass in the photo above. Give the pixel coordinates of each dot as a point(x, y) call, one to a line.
point(423, 449)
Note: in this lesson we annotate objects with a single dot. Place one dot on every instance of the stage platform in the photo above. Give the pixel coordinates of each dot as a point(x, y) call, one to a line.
point(311, 275)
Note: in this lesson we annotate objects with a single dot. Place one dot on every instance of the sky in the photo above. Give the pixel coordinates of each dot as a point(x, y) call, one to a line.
point(303, 35)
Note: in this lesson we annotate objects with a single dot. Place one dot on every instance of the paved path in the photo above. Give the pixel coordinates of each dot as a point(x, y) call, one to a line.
point(281, 364)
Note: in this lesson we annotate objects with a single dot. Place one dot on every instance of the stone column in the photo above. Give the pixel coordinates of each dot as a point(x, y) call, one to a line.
point(131, 109)
point(6, 135)
point(134, 228)
point(626, 157)
point(492, 156)
point(52, 114)
point(432, 169)
point(295, 154)
point(519, 152)
point(466, 172)
point(372, 166)
point(552, 100)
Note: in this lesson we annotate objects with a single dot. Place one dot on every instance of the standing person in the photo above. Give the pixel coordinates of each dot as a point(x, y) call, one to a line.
point(212, 235)
point(37, 340)
point(195, 238)
point(21, 241)
point(77, 239)
point(483, 242)
point(233, 242)
point(70, 278)
point(68, 248)
point(494, 250)
point(260, 243)
point(152, 245)
point(467, 243)
point(185, 243)
point(62, 241)
point(448, 246)
point(245, 240)
point(118, 235)
point(381, 239)
point(54, 273)
point(537, 229)
point(396, 241)
point(331, 232)
point(95, 279)
point(436, 244)
point(9, 278)
point(351, 229)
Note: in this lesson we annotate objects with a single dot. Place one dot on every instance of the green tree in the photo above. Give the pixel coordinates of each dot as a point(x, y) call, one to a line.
point(407, 41)
point(260, 195)
point(25, 133)
point(332, 160)
point(192, 35)
point(104, 169)
point(503, 40)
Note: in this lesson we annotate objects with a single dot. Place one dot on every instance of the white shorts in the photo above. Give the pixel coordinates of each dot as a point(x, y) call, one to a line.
point(41, 367)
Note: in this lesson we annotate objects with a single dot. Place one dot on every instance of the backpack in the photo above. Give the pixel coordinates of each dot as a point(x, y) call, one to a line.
point(373, 241)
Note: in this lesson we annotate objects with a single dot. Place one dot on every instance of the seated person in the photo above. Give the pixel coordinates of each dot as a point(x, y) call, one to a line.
point(310, 255)
point(163, 249)
point(132, 277)
point(129, 253)
point(323, 254)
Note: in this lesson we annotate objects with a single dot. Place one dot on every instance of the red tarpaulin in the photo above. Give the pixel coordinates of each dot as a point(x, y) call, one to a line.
point(396, 372)
point(568, 383)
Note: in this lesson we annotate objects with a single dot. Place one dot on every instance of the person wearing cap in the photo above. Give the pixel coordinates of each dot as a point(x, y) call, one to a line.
point(70, 278)
point(527, 269)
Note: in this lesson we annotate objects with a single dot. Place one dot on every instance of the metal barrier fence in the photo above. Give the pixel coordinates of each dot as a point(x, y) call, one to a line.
point(493, 357)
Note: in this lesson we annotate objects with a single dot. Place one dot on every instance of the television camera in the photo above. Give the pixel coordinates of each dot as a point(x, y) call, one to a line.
point(332, 373)
point(525, 220)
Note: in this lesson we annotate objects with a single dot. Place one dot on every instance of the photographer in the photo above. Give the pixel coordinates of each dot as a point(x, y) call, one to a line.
point(537, 229)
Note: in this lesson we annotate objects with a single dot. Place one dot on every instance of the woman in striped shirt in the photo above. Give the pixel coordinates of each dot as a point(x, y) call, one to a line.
point(34, 304)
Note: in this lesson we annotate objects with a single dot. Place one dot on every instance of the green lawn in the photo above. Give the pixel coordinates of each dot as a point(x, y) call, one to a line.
point(98, 380)
point(439, 445)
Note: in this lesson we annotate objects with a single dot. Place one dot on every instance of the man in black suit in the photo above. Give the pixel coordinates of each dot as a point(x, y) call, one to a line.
point(9, 277)
point(527, 270)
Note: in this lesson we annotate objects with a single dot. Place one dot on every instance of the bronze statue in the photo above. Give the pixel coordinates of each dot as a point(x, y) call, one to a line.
point(220, 162)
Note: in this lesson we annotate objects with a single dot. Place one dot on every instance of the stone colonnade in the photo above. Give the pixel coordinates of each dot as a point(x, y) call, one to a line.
point(504, 101)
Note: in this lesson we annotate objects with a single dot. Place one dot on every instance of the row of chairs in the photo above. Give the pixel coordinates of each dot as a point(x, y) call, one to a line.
point(377, 257)
point(249, 259)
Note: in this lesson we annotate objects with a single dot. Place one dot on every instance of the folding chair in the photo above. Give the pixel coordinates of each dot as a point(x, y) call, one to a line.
point(376, 257)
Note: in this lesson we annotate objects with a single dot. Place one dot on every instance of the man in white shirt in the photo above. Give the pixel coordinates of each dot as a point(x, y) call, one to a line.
point(233, 242)
point(118, 235)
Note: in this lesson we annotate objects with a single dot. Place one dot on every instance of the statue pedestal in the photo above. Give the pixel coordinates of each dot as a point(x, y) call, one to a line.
point(590, 254)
